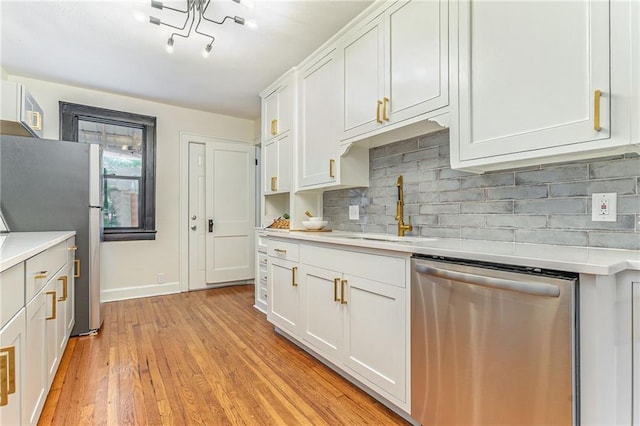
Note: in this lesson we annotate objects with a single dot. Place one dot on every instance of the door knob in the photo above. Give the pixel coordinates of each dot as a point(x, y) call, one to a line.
point(193, 217)
point(194, 227)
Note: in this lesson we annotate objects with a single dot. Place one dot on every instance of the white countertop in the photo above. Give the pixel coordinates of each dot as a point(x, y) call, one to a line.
point(597, 261)
point(16, 247)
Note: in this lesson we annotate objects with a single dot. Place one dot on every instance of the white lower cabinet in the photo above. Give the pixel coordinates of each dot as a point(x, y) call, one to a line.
point(323, 311)
point(35, 386)
point(283, 295)
point(636, 351)
point(375, 334)
point(12, 369)
point(33, 340)
point(351, 308)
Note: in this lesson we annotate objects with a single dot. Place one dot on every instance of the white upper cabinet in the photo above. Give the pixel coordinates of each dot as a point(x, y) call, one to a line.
point(538, 82)
point(277, 163)
point(395, 67)
point(277, 107)
point(319, 97)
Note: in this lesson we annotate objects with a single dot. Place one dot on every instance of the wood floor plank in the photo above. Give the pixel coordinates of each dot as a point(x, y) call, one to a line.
point(205, 357)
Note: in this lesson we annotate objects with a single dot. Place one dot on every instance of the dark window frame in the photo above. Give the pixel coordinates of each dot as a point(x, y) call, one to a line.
point(69, 115)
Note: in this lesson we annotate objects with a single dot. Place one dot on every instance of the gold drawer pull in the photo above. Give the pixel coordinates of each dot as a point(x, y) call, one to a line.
point(274, 127)
point(7, 373)
point(76, 267)
point(65, 290)
point(293, 276)
point(283, 251)
point(4, 380)
point(385, 115)
point(54, 312)
point(35, 120)
point(335, 289)
point(274, 183)
point(378, 119)
point(596, 110)
point(41, 275)
point(332, 164)
point(343, 301)
point(73, 248)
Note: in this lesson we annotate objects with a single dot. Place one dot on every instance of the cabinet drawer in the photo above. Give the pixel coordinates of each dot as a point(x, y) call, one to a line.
point(42, 267)
point(381, 268)
point(262, 260)
point(283, 250)
point(11, 292)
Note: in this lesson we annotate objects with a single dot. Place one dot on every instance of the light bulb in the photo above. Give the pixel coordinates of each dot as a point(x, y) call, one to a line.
point(250, 23)
point(170, 45)
point(206, 51)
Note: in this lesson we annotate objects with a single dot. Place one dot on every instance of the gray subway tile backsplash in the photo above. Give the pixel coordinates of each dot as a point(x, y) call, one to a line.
point(541, 204)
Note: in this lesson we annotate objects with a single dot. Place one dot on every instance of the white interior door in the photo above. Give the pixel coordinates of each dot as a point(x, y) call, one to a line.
point(197, 222)
point(229, 209)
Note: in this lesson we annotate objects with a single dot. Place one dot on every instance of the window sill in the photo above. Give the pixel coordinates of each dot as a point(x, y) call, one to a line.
point(137, 235)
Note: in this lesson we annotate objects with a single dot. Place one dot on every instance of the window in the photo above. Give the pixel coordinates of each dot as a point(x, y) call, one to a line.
point(128, 186)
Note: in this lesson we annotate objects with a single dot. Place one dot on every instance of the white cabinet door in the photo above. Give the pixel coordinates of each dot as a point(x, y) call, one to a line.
point(529, 74)
point(416, 58)
point(277, 165)
point(284, 298)
point(270, 116)
point(277, 109)
point(63, 313)
point(375, 330)
point(35, 384)
point(636, 353)
point(52, 320)
point(322, 310)
point(70, 313)
point(396, 67)
point(364, 75)
point(319, 98)
point(12, 370)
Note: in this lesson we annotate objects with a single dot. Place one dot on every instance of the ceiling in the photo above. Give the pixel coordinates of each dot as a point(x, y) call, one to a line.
point(100, 45)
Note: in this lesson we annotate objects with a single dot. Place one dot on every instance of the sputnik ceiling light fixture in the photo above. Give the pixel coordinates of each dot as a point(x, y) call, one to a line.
point(194, 16)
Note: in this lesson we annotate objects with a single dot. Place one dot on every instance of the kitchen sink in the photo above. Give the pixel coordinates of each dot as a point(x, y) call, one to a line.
point(388, 238)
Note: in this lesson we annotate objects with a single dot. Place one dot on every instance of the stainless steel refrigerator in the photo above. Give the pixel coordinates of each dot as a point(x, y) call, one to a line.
point(49, 185)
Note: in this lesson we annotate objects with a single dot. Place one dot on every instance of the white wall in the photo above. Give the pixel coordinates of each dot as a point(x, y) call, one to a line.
point(129, 269)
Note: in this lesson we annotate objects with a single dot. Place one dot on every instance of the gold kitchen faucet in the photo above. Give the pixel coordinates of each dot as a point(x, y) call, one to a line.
point(402, 227)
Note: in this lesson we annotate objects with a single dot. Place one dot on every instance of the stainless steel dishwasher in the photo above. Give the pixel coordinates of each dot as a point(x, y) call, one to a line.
point(492, 344)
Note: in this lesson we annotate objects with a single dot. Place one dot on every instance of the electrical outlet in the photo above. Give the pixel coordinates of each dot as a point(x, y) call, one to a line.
point(160, 277)
point(354, 212)
point(604, 207)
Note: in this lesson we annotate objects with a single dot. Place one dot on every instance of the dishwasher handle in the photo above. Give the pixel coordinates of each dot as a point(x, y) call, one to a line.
point(532, 288)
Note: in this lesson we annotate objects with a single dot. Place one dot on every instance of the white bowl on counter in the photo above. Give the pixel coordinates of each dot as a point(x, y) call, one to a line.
point(314, 225)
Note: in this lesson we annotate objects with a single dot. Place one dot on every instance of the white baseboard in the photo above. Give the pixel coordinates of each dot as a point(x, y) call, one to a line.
point(140, 291)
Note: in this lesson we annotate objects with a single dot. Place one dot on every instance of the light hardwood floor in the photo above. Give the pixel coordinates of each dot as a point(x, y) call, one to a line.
point(205, 357)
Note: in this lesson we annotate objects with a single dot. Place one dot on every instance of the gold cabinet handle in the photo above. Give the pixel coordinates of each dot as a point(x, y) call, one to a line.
point(40, 275)
point(343, 300)
point(378, 119)
point(7, 373)
point(54, 311)
point(332, 164)
point(73, 248)
point(385, 115)
point(76, 265)
point(283, 251)
point(293, 276)
point(65, 290)
point(274, 127)
point(596, 110)
point(335, 289)
point(35, 120)
point(274, 183)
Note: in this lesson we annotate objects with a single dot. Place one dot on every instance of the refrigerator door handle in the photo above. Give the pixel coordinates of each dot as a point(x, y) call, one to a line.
point(534, 289)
